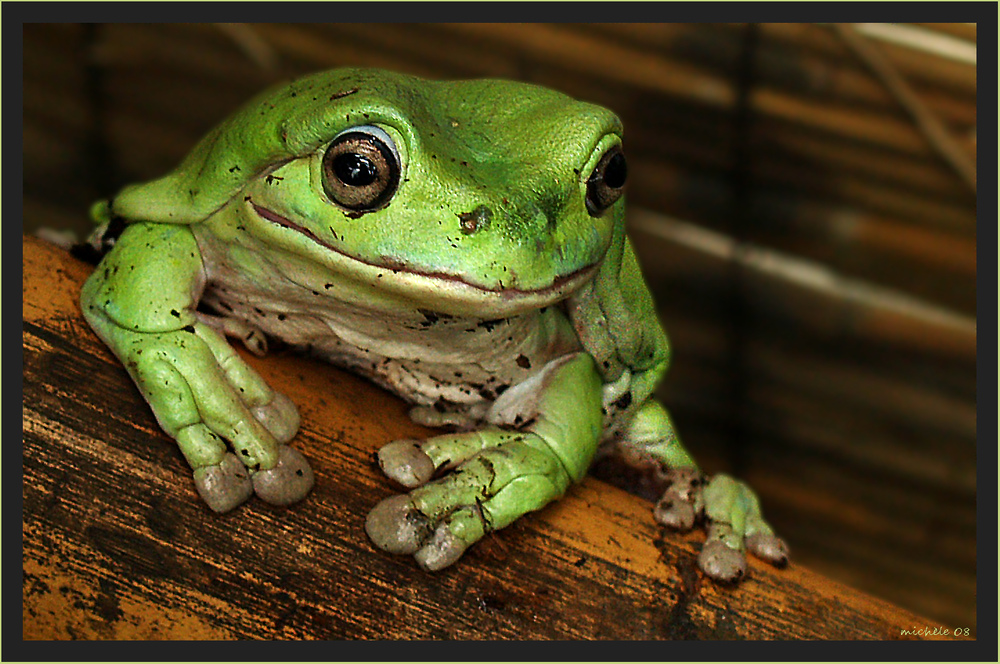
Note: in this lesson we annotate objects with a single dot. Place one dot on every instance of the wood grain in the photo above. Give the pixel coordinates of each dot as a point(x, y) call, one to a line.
point(118, 546)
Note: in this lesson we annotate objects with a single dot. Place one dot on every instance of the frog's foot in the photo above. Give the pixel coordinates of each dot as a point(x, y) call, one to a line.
point(499, 476)
point(734, 522)
point(224, 485)
point(228, 484)
point(229, 424)
point(288, 482)
point(279, 416)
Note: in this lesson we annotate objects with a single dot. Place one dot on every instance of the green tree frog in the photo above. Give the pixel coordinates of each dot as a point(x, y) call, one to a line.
point(461, 244)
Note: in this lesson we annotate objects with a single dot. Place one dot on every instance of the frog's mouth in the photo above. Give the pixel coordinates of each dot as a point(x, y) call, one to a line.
point(561, 285)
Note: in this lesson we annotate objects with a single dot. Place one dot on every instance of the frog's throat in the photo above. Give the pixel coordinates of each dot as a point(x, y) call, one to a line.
point(560, 283)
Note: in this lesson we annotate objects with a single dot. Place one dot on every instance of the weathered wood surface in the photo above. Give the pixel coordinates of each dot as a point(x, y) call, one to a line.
point(117, 544)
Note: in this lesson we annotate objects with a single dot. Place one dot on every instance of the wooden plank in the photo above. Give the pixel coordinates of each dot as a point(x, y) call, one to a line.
point(118, 546)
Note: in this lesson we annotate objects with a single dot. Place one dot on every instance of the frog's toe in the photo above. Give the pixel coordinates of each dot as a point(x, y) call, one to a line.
point(397, 526)
point(404, 462)
point(674, 513)
point(768, 547)
point(224, 485)
point(681, 504)
point(721, 562)
point(279, 416)
point(443, 549)
point(288, 482)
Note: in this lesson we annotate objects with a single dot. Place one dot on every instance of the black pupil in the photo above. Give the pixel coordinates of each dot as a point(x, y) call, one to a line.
point(355, 170)
point(615, 171)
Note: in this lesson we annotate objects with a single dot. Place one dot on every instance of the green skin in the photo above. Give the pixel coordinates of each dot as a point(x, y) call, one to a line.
point(482, 289)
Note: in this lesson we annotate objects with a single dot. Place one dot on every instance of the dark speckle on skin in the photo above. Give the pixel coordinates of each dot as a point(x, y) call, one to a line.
point(623, 402)
point(523, 361)
point(343, 93)
point(430, 318)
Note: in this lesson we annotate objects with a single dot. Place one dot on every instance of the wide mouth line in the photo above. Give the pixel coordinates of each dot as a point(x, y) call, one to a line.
point(559, 282)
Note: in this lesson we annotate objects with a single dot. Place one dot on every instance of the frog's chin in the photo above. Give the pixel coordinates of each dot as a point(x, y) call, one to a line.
point(448, 290)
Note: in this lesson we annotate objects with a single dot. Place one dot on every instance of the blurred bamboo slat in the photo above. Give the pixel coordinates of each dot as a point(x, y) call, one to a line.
point(953, 77)
point(827, 232)
point(966, 31)
point(836, 157)
point(930, 126)
point(916, 37)
point(837, 81)
point(922, 191)
point(875, 312)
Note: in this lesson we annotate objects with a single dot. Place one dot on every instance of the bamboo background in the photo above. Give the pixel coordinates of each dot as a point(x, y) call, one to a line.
point(807, 225)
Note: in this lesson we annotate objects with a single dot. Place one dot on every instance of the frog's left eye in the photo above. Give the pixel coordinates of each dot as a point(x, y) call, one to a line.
point(361, 169)
point(606, 183)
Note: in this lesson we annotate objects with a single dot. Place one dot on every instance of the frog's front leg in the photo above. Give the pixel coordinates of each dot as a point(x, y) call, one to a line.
point(141, 302)
point(729, 507)
point(543, 436)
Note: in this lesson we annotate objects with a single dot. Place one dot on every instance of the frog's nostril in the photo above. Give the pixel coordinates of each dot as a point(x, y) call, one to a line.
point(475, 221)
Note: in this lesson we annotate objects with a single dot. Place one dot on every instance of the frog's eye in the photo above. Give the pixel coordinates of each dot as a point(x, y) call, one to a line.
point(607, 183)
point(361, 169)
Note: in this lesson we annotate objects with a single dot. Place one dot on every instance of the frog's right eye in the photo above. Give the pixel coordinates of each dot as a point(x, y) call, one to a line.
point(361, 169)
point(607, 183)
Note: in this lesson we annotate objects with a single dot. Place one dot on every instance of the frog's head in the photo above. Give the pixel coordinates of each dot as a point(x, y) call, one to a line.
point(491, 193)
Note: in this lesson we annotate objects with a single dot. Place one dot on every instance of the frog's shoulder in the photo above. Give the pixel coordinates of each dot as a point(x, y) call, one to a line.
point(276, 126)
